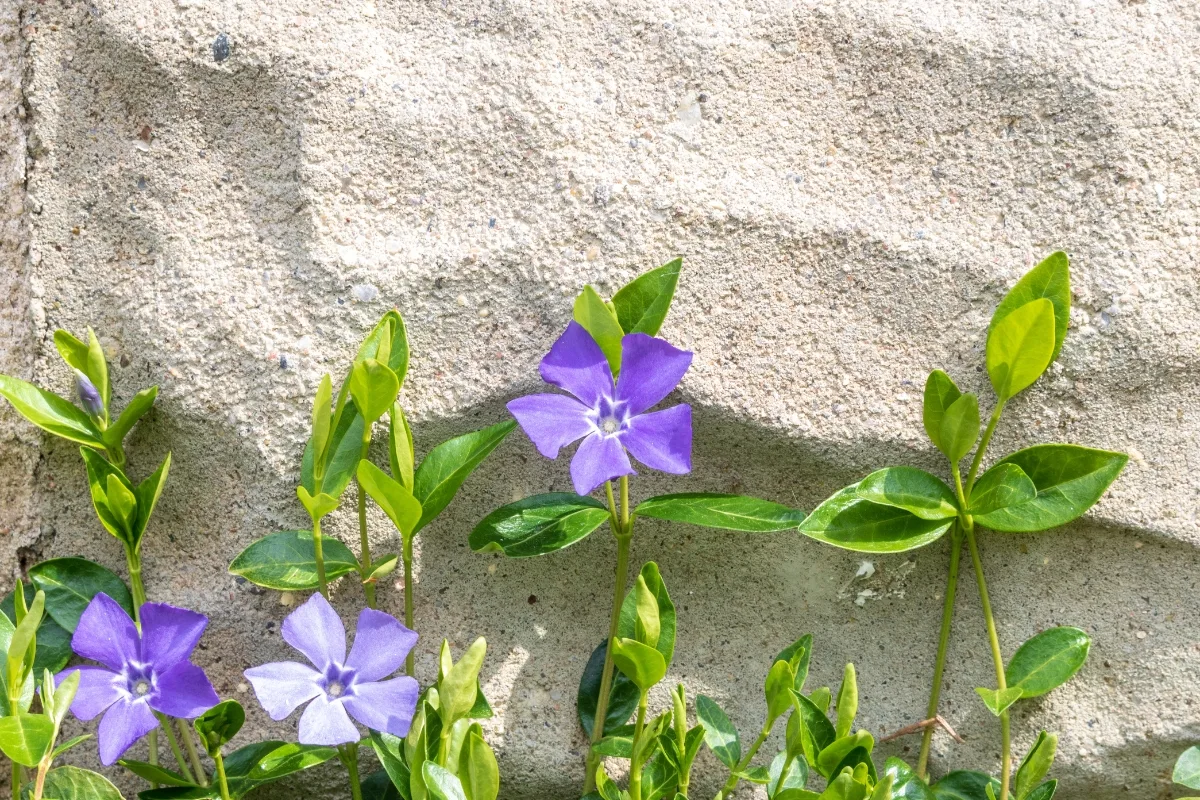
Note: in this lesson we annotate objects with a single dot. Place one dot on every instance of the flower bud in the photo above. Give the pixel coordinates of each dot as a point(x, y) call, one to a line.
point(89, 395)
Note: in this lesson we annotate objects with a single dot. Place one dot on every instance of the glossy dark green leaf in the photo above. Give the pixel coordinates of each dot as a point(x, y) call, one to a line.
point(219, 724)
point(71, 583)
point(851, 760)
point(626, 626)
point(154, 773)
point(599, 320)
point(998, 701)
point(1048, 660)
point(1035, 766)
point(829, 761)
point(538, 525)
point(137, 407)
point(960, 427)
point(1020, 347)
point(389, 750)
point(263, 762)
point(51, 413)
point(25, 738)
point(719, 733)
point(642, 304)
point(443, 471)
point(614, 747)
point(1187, 769)
point(914, 490)
point(53, 641)
point(798, 654)
point(147, 493)
point(73, 783)
point(796, 778)
point(1002, 486)
point(641, 663)
point(623, 695)
point(378, 786)
point(210, 792)
point(846, 520)
point(905, 783)
point(1050, 279)
point(342, 454)
point(965, 785)
point(727, 511)
point(286, 561)
point(1047, 789)
point(817, 732)
point(1069, 480)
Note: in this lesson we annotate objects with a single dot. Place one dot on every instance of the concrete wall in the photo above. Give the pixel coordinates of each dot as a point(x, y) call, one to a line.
point(853, 185)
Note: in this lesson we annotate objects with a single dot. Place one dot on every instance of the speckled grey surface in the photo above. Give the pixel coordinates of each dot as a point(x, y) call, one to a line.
point(232, 192)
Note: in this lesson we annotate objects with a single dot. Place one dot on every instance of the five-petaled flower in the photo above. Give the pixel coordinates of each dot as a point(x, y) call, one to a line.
point(610, 418)
point(340, 687)
point(142, 673)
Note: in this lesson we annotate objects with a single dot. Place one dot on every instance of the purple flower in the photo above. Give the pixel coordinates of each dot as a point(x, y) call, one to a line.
point(142, 673)
point(340, 687)
point(89, 395)
point(610, 419)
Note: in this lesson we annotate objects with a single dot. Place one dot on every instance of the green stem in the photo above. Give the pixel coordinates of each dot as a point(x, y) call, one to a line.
point(222, 781)
point(16, 781)
point(623, 530)
point(787, 765)
point(732, 783)
point(635, 764)
point(116, 455)
point(983, 446)
point(939, 667)
point(193, 755)
point(349, 754)
point(364, 541)
point(997, 659)
point(319, 555)
point(133, 560)
point(407, 553)
point(171, 740)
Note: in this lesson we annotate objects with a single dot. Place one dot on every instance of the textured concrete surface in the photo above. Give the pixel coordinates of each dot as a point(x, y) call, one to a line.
point(232, 192)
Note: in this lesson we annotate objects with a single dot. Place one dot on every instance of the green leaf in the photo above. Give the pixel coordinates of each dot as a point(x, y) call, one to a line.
point(382, 566)
point(319, 506)
point(154, 773)
point(1020, 347)
point(601, 322)
point(147, 494)
point(71, 583)
point(286, 561)
point(72, 350)
point(1050, 279)
point(642, 304)
point(73, 783)
point(728, 511)
point(607, 789)
point(374, 387)
point(101, 476)
point(378, 786)
point(138, 405)
point(798, 654)
point(69, 743)
point(614, 747)
point(22, 642)
point(1035, 766)
point(641, 663)
point(51, 413)
point(322, 417)
point(389, 750)
point(626, 625)
point(442, 784)
point(911, 489)
point(940, 394)
point(1002, 486)
point(1187, 769)
point(1048, 660)
point(719, 733)
point(443, 471)
point(400, 446)
point(53, 642)
point(623, 695)
point(796, 778)
point(538, 525)
point(458, 687)
point(477, 768)
point(960, 427)
point(122, 503)
point(263, 762)
point(829, 761)
point(847, 702)
point(219, 724)
point(397, 502)
point(859, 762)
point(965, 785)
point(847, 521)
point(56, 701)
point(646, 624)
point(905, 783)
point(391, 333)
point(1069, 480)
point(777, 688)
point(342, 454)
point(998, 701)
point(1047, 789)
point(97, 369)
point(817, 732)
point(25, 738)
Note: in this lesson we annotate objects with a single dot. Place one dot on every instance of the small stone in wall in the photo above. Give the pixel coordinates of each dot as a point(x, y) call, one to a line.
point(220, 47)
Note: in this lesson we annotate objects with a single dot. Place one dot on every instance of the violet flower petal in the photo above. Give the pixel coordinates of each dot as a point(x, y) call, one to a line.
point(598, 459)
point(326, 723)
point(283, 686)
point(169, 634)
point(381, 643)
point(106, 634)
point(576, 364)
point(316, 631)
point(98, 689)
point(551, 421)
point(650, 369)
point(662, 440)
point(385, 705)
point(183, 691)
point(124, 723)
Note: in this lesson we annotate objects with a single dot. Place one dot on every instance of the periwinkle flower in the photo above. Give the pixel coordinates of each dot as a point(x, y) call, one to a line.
point(89, 395)
point(340, 687)
point(611, 419)
point(142, 673)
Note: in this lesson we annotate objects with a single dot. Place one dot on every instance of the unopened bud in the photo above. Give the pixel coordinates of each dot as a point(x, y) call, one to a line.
point(89, 395)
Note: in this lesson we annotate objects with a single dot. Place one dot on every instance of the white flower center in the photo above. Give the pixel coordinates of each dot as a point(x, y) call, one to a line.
point(610, 425)
point(335, 688)
point(141, 688)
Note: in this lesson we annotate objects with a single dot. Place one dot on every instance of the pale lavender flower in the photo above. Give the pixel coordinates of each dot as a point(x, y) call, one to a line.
point(340, 687)
point(142, 673)
point(89, 395)
point(610, 418)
